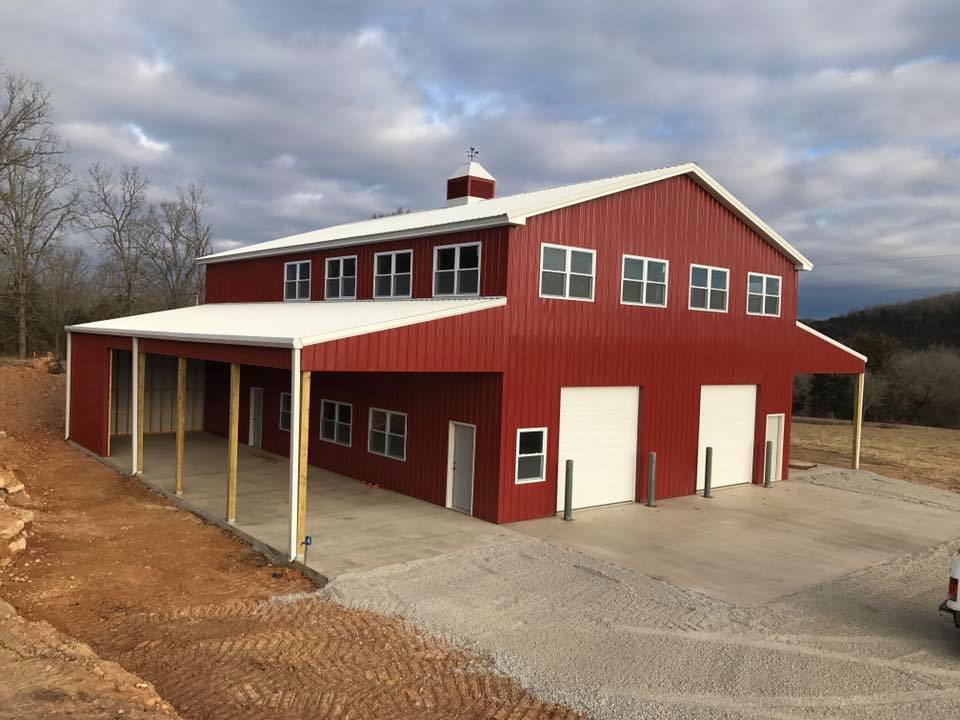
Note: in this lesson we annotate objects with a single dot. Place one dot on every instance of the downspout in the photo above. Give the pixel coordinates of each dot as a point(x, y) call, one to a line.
point(66, 417)
point(294, 463)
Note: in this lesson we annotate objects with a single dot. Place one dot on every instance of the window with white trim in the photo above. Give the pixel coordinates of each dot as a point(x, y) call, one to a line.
point(388, 433)
point(763, 294)
point(531, 455)
point(456, 269)
point(296, 280)
point(392, 274)
point(566, 272)
point(341, 281)
point(336, 422)
point(644, 281)
point(285, 411)
point(708, 288)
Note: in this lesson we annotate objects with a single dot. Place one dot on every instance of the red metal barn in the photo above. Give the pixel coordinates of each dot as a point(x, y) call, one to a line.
point(461, 355)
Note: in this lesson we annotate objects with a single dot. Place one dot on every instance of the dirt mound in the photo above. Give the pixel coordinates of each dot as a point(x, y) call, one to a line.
point(31, 398)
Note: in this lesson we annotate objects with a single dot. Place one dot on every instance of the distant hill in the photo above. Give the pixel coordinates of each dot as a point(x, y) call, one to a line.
point(915, 325)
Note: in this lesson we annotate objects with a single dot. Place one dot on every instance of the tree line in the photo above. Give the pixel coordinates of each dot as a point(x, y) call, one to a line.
point(75, 248)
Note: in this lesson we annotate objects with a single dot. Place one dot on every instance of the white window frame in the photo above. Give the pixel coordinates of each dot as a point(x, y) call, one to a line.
point(336, 422)
point(406, 432)
point(289, 398)
point(517, 456)
point(456, 269)
point(297, 282)
point(393, 273)
point(646, 262)
point(327, 278)
point(690, 286)
point(568, 249)
point(763, 295)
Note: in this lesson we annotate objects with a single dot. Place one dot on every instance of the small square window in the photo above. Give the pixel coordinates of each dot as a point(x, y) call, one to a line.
point(763, 294)
point(387, 434)
point(392, 274)
point(708, 288)
point(341, 282)
point(531, 455)
point(296, 283)
point(456, 270)
point(566, 273)
point(644, 281)
point(336, 422)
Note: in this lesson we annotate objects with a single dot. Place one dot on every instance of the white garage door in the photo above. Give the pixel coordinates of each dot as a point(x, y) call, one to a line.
point(598, 431)
point(727, 424)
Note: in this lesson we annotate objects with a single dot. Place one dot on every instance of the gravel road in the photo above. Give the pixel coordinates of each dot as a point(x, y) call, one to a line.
point(617, 644)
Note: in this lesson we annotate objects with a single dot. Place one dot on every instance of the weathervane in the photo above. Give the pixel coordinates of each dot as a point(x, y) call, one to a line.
point(472, 153)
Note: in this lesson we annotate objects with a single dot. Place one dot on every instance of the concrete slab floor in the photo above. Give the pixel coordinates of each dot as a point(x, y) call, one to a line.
point(748, 544)
point(354, 527)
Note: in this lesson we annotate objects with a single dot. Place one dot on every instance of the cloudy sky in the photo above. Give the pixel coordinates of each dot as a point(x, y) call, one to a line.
point(839, 126)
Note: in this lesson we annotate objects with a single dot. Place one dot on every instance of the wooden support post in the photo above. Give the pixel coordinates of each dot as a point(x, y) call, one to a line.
point(232, 441)
point(857, 421)
point(181, 421)
point(141, 384)
point(302, 467)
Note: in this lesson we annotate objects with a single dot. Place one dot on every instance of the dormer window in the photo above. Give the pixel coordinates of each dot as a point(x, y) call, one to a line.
point(296, 283)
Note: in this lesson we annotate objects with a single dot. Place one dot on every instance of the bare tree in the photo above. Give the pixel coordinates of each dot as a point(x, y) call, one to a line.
point(176, 236)
point(35, 211)
point(65, 286)
point(26, 135)
point(114, 214)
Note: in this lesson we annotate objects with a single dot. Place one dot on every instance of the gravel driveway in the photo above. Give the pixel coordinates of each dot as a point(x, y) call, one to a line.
point(619, 644)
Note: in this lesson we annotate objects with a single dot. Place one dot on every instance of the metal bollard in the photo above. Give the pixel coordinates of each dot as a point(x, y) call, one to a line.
point(568, 492)
point(768, 464)
point(652, 480)
point(708, 473)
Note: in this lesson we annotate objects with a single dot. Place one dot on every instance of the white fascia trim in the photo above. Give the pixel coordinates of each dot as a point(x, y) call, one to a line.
point(830, 340)
point(224, 339)
point(494, 221)
point(458, 309)
point(701, 177)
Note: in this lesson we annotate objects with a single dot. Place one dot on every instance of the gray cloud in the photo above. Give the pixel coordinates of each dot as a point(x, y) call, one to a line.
point(837, 125)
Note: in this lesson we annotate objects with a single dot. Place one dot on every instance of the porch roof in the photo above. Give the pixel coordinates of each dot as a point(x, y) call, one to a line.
point(290, 324)
point(815, 353)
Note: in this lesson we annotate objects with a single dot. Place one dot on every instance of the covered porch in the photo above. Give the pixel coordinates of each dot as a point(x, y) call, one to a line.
point(354, 526)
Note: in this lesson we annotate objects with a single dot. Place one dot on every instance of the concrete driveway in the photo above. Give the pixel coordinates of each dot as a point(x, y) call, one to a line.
point(749, 544)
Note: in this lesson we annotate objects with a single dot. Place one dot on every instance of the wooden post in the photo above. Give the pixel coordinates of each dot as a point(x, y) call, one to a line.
point(141, 384)
point(232, 439)
point(857, 421)
point(302, 467)
point(181, 422)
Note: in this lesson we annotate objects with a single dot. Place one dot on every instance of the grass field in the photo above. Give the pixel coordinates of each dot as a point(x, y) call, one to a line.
point(919, 454)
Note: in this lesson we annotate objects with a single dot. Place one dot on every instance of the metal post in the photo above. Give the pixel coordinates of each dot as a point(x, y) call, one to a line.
point(568, 492)
point(708, 473)
point(768, 464)
point(652, 480)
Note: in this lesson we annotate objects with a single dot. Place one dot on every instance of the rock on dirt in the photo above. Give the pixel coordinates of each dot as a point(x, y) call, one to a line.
point(46, 674)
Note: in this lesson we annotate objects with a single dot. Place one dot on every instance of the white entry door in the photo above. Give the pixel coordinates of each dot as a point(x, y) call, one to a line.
point(775, 436)
point(598, 431)
point(460, 461)
point(255, 436)
point(727, 424)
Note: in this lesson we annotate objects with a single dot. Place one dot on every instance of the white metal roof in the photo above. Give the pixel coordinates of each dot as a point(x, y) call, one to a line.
point(507, 210)
point(472, 168)
point(292, 324)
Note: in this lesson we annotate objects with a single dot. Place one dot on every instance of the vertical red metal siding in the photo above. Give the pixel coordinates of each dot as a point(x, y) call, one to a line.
point(220, 352)
point(430, 401)
point(261, 279)
point(668, 352)
point(90, 388)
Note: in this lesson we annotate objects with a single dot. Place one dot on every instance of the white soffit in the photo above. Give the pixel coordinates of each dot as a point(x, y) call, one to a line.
point(500, 211)
point(277, 324)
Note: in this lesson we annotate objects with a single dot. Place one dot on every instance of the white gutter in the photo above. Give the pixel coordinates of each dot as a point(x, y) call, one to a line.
point(294, 463)
point(134, 400)
point(66, 419)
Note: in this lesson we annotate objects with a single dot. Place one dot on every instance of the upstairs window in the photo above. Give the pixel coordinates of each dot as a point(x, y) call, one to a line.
point(388, 434)
point(392, 274)
point(763, 294)
point(644, 281)
point(285, 409)
point(566, 272)
point(296, 280)
point(456, 270)
point(708, 288)
point(531, 455)
point(341, 278)
point(336, 422)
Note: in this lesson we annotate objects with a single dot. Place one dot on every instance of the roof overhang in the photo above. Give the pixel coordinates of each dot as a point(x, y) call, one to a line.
point(285, 325)
point(816, 353)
